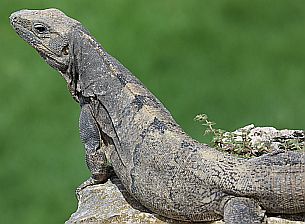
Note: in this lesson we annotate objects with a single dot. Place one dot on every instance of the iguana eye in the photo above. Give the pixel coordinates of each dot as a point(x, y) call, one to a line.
point(40, 28)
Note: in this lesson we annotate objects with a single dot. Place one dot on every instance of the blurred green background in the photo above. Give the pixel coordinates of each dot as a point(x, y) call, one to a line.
point(238, 61)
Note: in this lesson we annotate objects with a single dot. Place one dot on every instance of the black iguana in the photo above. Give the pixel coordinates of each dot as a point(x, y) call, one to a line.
point(161, 166)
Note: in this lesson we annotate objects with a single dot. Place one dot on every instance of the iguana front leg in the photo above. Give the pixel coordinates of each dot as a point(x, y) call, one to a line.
point(95, 155)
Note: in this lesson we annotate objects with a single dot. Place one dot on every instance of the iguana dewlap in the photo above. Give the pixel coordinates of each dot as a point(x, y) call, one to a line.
point(123, 124)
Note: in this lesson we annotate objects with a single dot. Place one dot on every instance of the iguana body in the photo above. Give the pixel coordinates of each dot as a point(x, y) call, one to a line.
point(162, 167)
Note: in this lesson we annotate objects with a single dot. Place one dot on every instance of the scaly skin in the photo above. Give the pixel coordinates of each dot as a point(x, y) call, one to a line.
point(122, 123)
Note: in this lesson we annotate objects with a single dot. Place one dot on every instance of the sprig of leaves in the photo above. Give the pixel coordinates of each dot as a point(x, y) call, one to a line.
point(203, 119)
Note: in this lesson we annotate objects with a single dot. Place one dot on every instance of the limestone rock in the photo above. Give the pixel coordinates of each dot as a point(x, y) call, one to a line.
point(251, 141)
point(110, 203)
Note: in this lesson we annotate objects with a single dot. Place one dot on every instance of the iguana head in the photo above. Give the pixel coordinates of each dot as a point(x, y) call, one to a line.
point(48, 31)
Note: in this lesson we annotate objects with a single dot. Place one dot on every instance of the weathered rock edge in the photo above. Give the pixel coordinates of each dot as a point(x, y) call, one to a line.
point(111, 203)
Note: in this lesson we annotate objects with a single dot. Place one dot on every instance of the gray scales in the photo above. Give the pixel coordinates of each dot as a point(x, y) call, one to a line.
point(125, 128)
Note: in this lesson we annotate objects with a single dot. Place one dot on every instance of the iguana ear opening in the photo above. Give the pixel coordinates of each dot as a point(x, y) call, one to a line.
point(65, 50)
point(58, 45)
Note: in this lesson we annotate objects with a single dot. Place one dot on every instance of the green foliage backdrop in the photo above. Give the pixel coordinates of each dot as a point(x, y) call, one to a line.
point(238, 61)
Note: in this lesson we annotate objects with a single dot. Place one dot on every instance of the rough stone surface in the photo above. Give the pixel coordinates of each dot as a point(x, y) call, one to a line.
point(251, 141)
point(110, 203)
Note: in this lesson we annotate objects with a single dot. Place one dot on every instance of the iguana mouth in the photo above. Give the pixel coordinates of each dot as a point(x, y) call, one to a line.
point(47, 55)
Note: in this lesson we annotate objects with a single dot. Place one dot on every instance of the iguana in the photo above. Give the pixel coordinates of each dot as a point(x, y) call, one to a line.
point(123, 124)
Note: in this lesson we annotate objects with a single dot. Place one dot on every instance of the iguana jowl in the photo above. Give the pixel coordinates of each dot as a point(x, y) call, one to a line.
point(162, 167)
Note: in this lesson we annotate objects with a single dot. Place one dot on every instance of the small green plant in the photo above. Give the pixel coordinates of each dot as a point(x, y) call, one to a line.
point(203, 119)
point(246, 143)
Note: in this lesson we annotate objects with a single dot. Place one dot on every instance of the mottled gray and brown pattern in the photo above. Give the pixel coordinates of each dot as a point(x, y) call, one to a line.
point(123, 124)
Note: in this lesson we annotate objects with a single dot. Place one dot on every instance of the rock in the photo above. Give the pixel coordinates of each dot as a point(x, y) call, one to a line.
point(251, 141)
point(111, 203)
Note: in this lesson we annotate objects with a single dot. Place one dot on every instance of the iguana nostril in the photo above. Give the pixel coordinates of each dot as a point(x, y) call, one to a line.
point(13, 18)
point(15, 15)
